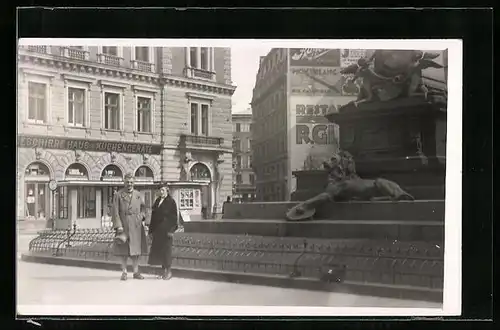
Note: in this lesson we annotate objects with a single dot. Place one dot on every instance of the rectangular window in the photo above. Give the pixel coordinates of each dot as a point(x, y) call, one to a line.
point(142, 54)
point(37, 108)
point(199, 119)
point(86, 202)
point(238, 161)
point(249, 144)
point(76, 106)
point(192, 53)
point(112, 111)
point(204, 119)
point(204, 58)
point(186, 199)
point(245, 162)
point(236, 144)
point(252, 179)
point(194, 118)
point(110, 50)
point(250, 161)
point(144, 114)
point(239, 179)
point(63, 201)
point(238, 127)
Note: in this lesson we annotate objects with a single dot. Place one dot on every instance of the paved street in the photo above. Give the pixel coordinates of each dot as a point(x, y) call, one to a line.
point(59, 285)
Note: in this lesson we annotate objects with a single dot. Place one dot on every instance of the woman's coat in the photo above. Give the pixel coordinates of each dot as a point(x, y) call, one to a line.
point(127, 213)
point(163, 222)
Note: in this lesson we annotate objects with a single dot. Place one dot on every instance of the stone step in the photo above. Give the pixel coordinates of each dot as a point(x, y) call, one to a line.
point(429, 231)
point(426, 210)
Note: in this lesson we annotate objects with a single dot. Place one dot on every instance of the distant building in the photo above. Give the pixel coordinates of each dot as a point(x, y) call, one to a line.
point(89, 114)
point(294, 89)
point(243, 176)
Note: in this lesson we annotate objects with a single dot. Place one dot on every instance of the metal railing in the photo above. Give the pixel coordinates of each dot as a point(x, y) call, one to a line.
point(416, 264)
point(201, 140)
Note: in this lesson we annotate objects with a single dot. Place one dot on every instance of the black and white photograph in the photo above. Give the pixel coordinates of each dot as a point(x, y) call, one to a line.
point(239, 177)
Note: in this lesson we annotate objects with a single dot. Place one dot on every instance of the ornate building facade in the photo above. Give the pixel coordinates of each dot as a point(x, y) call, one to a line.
point(88, 115)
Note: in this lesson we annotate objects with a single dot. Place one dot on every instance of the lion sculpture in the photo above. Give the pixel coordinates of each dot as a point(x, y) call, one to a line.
point(344, 184)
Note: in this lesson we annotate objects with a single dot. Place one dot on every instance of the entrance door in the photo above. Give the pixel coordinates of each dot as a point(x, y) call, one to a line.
point(205, 202)
point(37, 200)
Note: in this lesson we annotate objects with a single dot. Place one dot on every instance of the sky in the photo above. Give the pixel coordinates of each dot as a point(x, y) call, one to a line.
point(244, 67)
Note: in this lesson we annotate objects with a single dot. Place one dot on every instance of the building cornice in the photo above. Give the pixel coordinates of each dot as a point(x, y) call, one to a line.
point(198, 85)
point(99, 71)
point(85, 67)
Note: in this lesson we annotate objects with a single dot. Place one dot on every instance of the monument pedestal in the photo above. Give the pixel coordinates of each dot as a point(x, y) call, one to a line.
point(402, 140)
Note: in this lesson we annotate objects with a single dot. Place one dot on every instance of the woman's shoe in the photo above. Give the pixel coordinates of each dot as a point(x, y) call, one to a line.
point(123, 277)
point(167, 275)
point(138, 276)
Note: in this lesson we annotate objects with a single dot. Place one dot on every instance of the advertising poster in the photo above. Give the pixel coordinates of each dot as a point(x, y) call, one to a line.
point(315, 57)
point(316, 81)
point(349, 57)
point(311, 133)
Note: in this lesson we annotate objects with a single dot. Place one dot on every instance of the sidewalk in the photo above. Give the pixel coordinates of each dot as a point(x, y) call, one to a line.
point(61, 285)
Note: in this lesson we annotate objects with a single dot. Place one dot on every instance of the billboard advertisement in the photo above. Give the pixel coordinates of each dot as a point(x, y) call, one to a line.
point(351, 56)
point(310, 132)
point(316, 81)
point(315, 57)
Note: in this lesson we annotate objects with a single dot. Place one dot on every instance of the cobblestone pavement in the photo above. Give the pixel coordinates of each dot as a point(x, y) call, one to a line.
point(58, 285)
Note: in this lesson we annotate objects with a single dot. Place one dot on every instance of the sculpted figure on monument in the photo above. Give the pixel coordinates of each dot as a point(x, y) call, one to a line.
point(390, 74)
point(344, 184)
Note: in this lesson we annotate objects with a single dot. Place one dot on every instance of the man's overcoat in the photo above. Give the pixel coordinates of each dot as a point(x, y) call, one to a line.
point(127, 213)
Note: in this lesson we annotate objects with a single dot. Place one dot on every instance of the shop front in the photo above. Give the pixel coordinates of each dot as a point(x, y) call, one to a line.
point(60, 188)
point(89, 204)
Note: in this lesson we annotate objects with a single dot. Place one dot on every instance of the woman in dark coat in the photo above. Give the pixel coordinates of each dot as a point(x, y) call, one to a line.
point(161, 228)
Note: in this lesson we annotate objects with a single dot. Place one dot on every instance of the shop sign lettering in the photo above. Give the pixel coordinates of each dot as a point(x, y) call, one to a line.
point(315, 56)
point(314, 109)
point(31, 141)
point(322, 134)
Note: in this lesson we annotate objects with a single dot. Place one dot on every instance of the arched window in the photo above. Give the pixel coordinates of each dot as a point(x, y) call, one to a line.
point(144, 172)
point(200, 171)
point(37, 170)
point(77, 171)
point(112, 172)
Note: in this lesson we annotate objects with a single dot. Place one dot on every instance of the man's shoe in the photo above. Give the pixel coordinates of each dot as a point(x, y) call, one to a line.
point(124, 277)
point(138, 276)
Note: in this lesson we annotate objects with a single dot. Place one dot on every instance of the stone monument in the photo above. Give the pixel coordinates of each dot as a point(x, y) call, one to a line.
point(396, 129)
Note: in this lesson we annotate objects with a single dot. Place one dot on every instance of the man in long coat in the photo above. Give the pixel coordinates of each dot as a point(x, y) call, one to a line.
point(164, 222)
point(128, 220)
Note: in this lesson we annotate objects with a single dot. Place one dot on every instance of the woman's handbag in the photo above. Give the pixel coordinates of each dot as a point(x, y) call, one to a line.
point(120, 237)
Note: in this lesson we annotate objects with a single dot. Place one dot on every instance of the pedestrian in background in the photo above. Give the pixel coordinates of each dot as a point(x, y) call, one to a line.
point(128, 222)
point(228, 201)
point(161, 228)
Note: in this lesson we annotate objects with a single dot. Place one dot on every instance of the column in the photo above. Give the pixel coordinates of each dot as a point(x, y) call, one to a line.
point(73, 207)
point(188, 57)
point(212, 57)
point(98, 206)
point(198, 57)
point(208, 59)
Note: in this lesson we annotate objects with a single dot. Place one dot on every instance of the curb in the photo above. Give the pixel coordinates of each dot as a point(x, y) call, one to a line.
point(377, 290)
